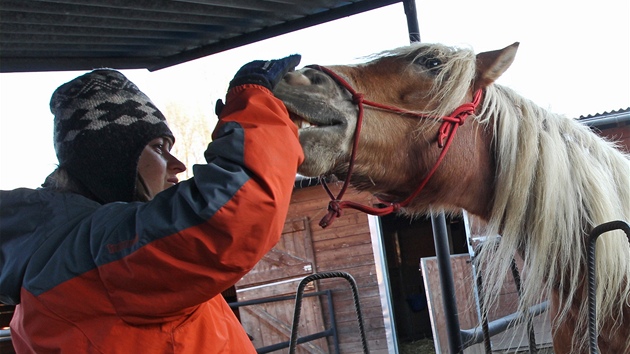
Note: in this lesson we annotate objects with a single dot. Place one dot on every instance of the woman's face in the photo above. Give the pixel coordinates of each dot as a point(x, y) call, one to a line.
point(157, 167)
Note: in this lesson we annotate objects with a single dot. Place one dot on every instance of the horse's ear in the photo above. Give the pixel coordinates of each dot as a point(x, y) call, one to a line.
point(491, 65)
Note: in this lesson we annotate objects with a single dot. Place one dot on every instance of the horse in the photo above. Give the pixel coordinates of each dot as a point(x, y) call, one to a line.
point(541, 181)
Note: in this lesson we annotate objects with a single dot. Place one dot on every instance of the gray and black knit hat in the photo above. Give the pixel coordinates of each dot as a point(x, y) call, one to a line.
point(102, 124)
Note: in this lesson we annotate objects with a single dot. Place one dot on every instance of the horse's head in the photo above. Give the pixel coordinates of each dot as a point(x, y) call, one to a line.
point(394, 150)
point(535, 176)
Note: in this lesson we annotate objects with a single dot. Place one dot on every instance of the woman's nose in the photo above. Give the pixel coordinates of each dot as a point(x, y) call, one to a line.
point(176, 165)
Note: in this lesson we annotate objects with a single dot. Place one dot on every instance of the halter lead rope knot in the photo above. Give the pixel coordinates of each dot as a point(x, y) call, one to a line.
point(334, 211)
point(358, 98)
point(446, 133)
point(457, 118)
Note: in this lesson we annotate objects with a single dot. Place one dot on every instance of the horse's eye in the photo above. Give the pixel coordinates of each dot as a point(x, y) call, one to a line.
point(432, 63)
point(429, 62)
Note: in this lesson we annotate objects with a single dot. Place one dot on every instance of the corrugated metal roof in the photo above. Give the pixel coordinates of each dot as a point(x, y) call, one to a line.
point(53, 35)
point(619, 117)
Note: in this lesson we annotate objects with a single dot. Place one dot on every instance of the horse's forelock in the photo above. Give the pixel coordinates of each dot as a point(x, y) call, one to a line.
point(451, 84)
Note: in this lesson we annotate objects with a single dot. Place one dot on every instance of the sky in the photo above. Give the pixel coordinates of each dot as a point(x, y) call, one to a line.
point(573, 59)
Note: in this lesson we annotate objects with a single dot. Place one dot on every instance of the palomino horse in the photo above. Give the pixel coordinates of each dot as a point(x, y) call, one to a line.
point(540, 180)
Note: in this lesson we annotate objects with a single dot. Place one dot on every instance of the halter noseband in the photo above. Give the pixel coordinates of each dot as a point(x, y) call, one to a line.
point(446, 133)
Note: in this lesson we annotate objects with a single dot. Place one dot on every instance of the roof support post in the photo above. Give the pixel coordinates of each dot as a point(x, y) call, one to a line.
point(440, 233)
point(412, 20)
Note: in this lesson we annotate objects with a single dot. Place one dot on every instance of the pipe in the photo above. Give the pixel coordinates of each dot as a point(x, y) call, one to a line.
point(412, 20)
point(475, 335)
point(592, 281)
point(443, 254)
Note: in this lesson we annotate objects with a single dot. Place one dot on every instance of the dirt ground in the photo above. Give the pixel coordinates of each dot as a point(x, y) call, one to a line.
point(425, 346)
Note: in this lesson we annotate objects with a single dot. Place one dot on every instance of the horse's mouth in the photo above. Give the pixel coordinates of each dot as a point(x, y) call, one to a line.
point(304, 122)
point(312, 115)
point(301, 122)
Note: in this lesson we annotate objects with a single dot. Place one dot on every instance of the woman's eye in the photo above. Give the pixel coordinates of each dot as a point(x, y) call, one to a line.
point(159, 148)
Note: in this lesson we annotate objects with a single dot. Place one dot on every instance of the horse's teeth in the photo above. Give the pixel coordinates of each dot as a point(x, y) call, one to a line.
point(301, 123)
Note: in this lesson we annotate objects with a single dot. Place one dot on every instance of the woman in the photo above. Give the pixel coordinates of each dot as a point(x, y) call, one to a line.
point(112, 255)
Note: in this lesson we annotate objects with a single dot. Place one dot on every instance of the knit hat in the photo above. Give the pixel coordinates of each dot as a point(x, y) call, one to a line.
point(102, 124)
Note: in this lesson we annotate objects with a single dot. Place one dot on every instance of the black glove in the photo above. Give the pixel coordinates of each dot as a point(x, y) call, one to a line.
point(265, 73)
point(218, 107)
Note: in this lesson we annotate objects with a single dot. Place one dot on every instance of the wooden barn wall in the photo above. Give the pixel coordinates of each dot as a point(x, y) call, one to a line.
point(619, 134)
point(345, 246)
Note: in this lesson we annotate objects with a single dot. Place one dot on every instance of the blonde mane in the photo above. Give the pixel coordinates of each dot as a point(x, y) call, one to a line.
point(568, 181)
point(555, 181)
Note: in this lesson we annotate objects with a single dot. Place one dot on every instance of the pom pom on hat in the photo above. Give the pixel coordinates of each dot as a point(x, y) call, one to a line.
point(102, 123)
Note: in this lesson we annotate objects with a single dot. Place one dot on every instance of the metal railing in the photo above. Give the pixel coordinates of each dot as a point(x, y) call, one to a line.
point(459, 339)
point(298, 306)
point(592, 283)
point(5, 335)
point(328, 332)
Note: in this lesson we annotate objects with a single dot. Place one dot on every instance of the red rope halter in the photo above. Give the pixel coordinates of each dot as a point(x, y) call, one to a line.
point(446, 133)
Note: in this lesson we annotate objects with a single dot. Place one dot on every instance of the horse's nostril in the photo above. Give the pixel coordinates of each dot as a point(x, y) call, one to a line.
point(318, 78)
point(296, 79)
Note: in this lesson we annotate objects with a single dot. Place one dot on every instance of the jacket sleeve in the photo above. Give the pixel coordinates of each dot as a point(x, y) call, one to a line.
point(196, 239)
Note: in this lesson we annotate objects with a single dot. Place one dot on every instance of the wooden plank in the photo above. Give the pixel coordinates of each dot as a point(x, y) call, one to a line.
point(278, 274)
point(466, 305)
point(271, 290)
point(295, 225)
point(344, 246)
point(514, 339)
point(337, 244)
point(291, 257)
point(277, 322)
point(277, 265)
point(360, 252)
point(362, 255)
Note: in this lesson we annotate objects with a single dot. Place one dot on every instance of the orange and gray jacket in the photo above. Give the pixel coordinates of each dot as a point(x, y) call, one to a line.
point(148, 277)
